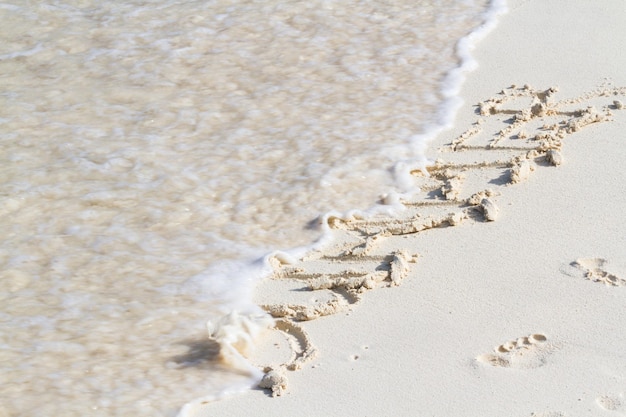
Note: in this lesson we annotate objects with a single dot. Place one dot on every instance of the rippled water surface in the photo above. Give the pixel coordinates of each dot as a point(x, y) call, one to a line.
point(147, 146)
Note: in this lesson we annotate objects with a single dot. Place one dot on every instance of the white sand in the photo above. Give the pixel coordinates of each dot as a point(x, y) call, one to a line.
point(495, 318)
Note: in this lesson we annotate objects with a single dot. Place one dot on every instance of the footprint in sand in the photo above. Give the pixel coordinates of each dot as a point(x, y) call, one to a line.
point(612, 403)
point(523, 353)
point(594, 269)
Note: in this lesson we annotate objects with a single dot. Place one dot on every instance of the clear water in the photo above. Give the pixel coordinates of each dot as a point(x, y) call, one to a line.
point(149, 148)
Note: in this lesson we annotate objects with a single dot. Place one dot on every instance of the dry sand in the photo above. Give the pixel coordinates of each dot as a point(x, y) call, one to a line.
point(501, 290)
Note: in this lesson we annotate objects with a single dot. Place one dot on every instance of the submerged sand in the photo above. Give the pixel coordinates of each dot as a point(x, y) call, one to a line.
point(150, 148)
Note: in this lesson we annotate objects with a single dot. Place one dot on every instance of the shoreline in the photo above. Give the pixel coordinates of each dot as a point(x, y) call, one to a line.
point(500, 317)
point(189, 143)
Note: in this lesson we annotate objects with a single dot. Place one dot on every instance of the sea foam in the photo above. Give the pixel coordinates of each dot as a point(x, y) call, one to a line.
point(153, 155)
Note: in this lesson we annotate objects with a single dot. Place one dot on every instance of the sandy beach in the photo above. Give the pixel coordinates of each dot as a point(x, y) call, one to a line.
point(503, 291)
point(519, 316)
point(500, 291)
point(155, 153)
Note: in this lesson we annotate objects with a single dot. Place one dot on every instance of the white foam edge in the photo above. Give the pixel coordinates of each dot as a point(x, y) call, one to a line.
point(191, 408)
point(240, 326)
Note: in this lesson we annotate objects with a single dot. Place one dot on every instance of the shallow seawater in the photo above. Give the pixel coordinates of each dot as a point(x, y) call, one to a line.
point(149, 148)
